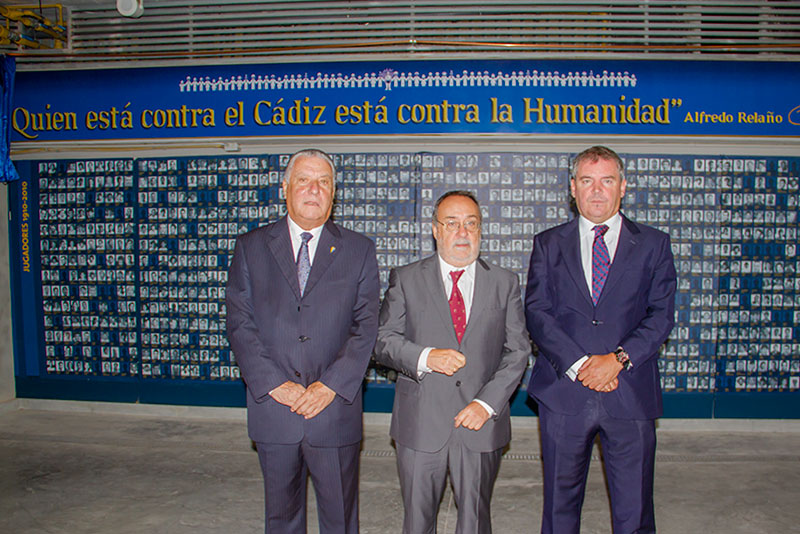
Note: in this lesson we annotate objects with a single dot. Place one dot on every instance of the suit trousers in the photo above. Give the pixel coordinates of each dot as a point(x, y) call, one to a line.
point(422, 482)
point(334, 473)
point(628, 448)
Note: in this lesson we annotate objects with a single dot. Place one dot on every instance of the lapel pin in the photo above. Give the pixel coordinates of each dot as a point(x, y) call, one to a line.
point(333, 249)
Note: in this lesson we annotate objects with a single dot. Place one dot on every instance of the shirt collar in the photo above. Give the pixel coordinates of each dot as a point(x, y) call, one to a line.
point(587, 227)
point(295, 230)
point(445, 268)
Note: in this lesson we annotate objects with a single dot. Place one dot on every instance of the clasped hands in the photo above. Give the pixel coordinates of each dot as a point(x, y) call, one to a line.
point(308, 402)
point(599, 372)
point(448, 362)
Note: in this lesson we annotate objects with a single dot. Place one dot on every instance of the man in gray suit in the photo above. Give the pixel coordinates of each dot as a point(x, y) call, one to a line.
point(302, 302)
point(452, 325)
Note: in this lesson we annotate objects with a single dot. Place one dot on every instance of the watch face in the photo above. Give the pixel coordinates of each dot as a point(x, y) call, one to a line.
point(623, 358)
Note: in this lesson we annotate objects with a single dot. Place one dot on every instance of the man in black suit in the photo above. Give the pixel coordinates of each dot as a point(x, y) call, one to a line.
point(302, 300)
point(599, 303)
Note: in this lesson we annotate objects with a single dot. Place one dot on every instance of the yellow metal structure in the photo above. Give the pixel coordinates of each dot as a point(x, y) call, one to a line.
point(26, 28)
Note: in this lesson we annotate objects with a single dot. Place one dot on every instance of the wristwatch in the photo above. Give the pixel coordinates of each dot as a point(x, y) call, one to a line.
point(623, 358)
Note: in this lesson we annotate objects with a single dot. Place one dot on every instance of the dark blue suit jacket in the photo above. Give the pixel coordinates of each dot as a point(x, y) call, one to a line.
point(636, 311)
point(326, 335)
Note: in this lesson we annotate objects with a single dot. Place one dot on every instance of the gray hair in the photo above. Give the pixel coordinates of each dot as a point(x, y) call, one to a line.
point(594, 154)
point(308, 153)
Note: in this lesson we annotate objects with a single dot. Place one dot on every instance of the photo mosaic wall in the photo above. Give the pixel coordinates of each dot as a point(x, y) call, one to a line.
point(120, 265)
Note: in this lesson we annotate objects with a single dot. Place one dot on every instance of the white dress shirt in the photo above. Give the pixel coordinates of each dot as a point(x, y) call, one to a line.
point(611, 237)
point(294, 233)
point(466, 284)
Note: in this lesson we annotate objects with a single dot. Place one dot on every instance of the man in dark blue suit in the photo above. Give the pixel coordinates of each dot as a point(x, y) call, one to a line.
point(599, 304)
point(302, 301)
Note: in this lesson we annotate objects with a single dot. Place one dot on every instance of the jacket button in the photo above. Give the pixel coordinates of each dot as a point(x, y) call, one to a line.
point(303, 339)
point(458, 383)
point(297, 374)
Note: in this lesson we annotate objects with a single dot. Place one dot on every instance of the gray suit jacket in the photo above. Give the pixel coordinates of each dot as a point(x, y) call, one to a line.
point(415, 314)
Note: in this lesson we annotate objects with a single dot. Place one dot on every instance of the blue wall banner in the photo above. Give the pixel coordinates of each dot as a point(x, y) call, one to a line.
point(430, 97)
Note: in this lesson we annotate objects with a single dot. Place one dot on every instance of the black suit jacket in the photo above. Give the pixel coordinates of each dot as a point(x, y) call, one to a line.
point(636, 311)
point(326, 335)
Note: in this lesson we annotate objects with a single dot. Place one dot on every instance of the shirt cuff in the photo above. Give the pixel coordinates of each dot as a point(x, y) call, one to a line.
point(422, 363)
point(572, 372)
point(488, 408)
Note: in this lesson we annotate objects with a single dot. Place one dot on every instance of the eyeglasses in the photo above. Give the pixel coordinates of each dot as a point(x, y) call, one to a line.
point(452, 225)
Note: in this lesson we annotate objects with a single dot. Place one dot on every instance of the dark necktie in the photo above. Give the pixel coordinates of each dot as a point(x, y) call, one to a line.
point(303, 262)
point(600, 262)
point(457, 309)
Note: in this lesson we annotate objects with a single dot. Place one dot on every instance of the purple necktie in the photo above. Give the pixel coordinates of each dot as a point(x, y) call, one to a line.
point(457, 309)
point(600, 262)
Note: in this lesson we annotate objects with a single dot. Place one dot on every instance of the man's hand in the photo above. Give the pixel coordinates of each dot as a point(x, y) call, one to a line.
point(287, 393)
point(600, 372)
point(316, 398)
point(446, 361)
point(611, 386)
point(472, 417)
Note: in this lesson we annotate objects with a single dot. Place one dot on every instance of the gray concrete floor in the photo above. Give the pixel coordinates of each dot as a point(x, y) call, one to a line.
point(92, 470)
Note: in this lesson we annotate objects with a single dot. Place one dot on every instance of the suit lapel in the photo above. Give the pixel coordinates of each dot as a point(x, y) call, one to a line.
point(431, 273)
point(626, 247)
point(570, 245)
point(280, 244)
point(330, 243)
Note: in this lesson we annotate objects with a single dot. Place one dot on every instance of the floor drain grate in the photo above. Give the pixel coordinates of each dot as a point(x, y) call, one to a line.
point(666, 458)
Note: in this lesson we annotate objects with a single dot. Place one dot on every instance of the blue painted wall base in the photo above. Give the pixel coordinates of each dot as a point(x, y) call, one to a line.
point(379, 397)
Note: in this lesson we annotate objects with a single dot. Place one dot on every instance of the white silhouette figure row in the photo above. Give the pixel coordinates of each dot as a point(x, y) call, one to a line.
point(390, 78)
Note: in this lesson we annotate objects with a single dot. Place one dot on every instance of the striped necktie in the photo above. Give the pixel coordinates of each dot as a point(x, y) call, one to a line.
point(303, 262)
point(600, 262)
